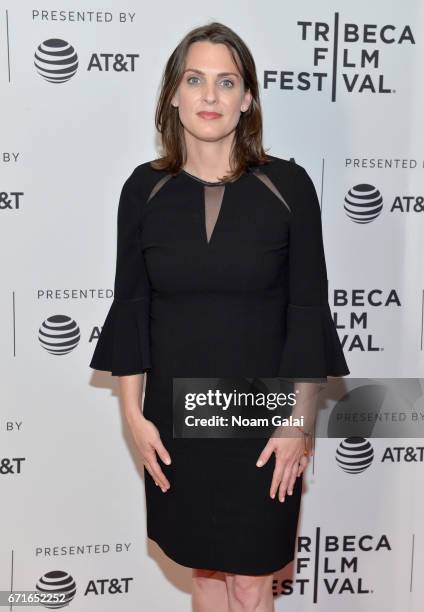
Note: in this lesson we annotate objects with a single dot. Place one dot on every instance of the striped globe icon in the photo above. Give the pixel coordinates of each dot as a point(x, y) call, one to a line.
point(59, 588)
point(56, 60)
point(363, 203)
point(59, 335)
point(354, 455)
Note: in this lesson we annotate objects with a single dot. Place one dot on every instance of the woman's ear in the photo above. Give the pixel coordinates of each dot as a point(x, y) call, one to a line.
point(247, 100)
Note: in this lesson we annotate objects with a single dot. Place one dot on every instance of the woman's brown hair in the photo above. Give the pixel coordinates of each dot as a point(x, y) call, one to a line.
point(247, 146)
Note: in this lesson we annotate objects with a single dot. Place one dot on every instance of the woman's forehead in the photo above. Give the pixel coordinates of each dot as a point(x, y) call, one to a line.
point(210, 57)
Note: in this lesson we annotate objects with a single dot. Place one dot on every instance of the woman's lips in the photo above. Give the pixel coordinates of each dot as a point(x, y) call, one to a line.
point(206, 115)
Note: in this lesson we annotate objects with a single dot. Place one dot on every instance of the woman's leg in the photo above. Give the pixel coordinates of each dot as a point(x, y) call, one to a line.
point(209, 591)
point(250, 593)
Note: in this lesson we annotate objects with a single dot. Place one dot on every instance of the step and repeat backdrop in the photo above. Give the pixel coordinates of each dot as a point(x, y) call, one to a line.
point(342, 93)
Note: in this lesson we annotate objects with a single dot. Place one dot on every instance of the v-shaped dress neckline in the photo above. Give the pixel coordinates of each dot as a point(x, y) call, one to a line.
point(213, 202)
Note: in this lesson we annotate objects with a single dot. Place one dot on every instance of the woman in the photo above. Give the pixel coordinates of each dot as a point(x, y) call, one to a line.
point(220, 272)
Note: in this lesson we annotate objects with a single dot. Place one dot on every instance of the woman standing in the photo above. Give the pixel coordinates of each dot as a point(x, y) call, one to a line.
point(220, 272)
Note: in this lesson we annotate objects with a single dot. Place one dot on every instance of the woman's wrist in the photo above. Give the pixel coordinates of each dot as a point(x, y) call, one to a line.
point(303, 430)
point(133, 412)
point(307, 437)
point(293, 430)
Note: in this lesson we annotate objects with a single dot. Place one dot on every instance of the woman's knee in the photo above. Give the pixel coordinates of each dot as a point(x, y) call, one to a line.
point(249, 591)
point(206, 579)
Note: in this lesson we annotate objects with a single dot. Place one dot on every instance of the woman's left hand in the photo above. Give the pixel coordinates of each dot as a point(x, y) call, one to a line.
point(290, 461)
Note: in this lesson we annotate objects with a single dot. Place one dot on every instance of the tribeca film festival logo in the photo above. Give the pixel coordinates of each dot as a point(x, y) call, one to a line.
point(363, 203)
point(59, 334)
point(353, 325)
point(338, 558)
point(348, 50)
point(57, 61)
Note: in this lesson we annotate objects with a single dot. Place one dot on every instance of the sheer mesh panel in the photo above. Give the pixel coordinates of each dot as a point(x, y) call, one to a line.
point(161, 182)
point(213, 200)
point(267, 181)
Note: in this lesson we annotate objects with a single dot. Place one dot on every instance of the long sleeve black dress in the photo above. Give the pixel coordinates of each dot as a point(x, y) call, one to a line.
point(219, 280)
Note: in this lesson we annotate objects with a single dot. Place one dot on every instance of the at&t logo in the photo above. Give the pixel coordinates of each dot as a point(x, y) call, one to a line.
point(57, 61)
point(57, 583)
point(354, 455)
point(59, 335)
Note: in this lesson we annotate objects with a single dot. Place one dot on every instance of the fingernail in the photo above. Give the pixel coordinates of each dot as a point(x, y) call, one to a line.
point(273, 495)
point(283, 499)
point(168, 461)
point(259, 463)
point(290, 492)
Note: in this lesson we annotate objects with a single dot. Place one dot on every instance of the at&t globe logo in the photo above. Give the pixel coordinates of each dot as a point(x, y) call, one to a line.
point(57, 583)
point(363, 203)
point(56, 60)
point(354, 455)
point(59, 334)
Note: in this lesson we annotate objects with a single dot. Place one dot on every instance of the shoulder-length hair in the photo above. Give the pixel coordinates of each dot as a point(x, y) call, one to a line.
point(247, 148)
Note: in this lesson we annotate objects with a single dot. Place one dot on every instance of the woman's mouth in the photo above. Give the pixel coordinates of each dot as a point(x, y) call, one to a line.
point(207, 115)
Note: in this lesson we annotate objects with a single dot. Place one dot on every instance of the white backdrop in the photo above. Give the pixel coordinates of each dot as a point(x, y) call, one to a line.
point(71, 484)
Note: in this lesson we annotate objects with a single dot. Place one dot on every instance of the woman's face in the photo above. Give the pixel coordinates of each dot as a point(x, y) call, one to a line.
point(211, 83)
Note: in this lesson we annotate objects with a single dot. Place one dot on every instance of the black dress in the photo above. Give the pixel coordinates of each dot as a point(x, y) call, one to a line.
point(219, 280)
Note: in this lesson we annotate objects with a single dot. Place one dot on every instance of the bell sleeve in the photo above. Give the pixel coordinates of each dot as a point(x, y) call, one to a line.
point(123, 347)
point(311, 349)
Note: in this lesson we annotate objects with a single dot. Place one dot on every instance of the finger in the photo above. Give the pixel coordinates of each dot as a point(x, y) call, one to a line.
point(158, 481)
point(158, 475)
point(265, 454)
point(284, 482)
point(303, 462)
point(149, 461)
point(292, 478)
point(162, 452)
point(276, 477)
point(149, 470)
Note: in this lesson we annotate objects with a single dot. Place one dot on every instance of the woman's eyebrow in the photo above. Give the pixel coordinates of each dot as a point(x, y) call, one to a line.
point(219, 73)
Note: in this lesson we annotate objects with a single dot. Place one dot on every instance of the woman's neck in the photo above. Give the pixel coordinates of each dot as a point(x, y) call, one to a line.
point(209, 161)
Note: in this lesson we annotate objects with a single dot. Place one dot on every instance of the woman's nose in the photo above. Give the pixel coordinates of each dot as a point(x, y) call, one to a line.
point(209, 93)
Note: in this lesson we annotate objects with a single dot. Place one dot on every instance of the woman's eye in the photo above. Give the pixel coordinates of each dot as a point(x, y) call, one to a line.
point(196, 79)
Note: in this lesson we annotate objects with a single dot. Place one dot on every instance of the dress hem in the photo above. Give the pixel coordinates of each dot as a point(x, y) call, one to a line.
point(211, 567)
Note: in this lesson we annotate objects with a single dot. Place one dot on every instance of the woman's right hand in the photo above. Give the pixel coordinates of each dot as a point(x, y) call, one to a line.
point(148, 441)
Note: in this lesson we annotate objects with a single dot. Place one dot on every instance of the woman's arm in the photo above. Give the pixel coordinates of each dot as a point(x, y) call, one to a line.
point(312, 349)
point(145, 434)
point(131, 391)
point(123, 347)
